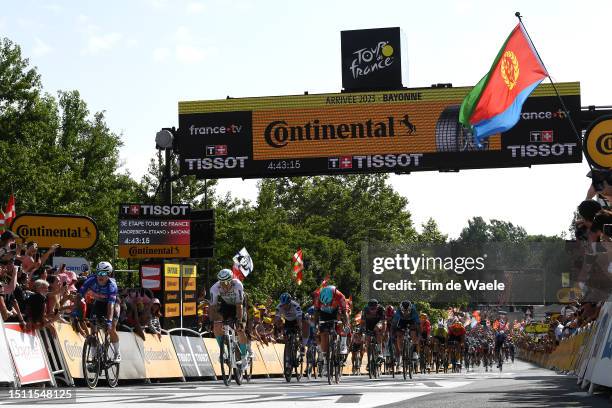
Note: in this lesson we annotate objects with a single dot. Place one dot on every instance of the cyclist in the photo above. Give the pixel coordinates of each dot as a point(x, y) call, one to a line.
point(425, 326)
point(500, 339)
point(290, 311)
point(227, 303)
point(103, 290)
point(405, 317)
point(439, 336)
point(456, 335)
point(330, 304)
point(373, 320)
point(357, 342)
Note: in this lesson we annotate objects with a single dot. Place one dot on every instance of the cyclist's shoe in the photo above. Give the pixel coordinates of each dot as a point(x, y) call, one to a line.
point(244, 362)
point(343, 349)
point(117, 358)
point(415, 356)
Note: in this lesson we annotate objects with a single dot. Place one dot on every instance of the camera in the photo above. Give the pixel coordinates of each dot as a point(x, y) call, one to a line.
point(13, 246)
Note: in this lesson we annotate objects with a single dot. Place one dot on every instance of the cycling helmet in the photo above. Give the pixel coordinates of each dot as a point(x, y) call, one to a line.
point(423, 314)
point(440, 325)
point(285, 298)
point(389, 311)
point(104, 269)
point(311, 310)
point(406, 305)
point(372, 302)
point(327, 294)
point(224, 275)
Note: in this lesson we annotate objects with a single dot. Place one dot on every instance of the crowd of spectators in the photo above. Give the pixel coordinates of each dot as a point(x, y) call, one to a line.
point(37, 295)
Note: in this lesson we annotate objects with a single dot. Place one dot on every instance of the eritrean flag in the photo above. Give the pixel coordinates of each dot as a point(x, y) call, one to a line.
point(494, 104)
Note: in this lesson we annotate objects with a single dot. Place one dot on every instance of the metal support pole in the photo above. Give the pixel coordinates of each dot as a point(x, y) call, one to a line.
point(168, 177)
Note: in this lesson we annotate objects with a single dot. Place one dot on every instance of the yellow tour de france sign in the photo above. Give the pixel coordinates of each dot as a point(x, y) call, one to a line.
point(69, 231)
point(598, 143)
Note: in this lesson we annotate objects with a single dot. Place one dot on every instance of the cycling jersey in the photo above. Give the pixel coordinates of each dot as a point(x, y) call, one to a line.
point(106, 293)
point(456, 330)
point(411, 318)
point(338, 303)
point(291, 313)
point(232, 295)
point(440, 332)
point(376, 313)
point(500, 338)
point(425, 328)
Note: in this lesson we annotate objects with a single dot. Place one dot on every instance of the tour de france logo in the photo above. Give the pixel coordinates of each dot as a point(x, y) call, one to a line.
point(368, 60)
point(509, 69)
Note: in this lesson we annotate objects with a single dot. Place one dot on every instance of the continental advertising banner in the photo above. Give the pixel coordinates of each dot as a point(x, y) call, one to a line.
point(69, 231)
point(392, 131)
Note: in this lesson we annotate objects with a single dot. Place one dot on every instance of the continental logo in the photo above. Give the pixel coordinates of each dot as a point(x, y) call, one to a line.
point(598, 143)
point(154, 251)
point(70, 231)
point(603, 144)
point(279, 133)
point(157, 355)
point(74, 351)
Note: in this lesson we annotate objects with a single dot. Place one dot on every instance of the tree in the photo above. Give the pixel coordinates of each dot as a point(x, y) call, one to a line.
point(431, 233)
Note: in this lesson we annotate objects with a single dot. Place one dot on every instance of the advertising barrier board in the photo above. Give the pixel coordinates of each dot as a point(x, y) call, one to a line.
point(28, 354)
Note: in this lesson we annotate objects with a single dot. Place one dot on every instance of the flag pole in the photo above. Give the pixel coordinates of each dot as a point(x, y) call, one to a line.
point(578, 136)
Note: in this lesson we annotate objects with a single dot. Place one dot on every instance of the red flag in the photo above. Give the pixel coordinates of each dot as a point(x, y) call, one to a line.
point(298, 266)
point(2, 226)
point(10, 213)
point(237, 272)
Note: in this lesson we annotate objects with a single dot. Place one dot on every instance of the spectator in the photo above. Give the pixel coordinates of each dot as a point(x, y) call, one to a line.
point(154, 323)
point(36, 305)
point(9, 308)
point(21, 291)
point(8, 247)
point(32, 260)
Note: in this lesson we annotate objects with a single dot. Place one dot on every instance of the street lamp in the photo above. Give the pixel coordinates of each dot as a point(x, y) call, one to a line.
point(164, 140)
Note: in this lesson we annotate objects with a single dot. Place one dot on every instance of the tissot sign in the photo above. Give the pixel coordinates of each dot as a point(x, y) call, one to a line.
point(371, 59)
point(386, 131)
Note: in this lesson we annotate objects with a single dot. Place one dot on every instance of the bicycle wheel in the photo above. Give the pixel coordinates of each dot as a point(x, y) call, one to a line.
point(299, 360)
point(90, 361)
point(287, 367)
point(339, 363)
point(371, 363)
point(111, 368)
point(225, 361)
point(237, 365)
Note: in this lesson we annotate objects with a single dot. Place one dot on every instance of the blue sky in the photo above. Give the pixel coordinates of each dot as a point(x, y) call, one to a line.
point(136, 59)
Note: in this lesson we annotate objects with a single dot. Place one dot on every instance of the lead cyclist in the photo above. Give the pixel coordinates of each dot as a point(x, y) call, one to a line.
point(104, 291)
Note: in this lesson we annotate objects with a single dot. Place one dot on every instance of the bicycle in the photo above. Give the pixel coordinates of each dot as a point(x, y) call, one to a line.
point(335, 361)
point(407, 363)
point(500, 358)
point(229, 355)
point(248, 370)
point(312, 366)
point(455, 356)
point(423, 356)
point(440, 359)
point(356, 360)
point(373, 359)
point(292, 359)
point(94, 358)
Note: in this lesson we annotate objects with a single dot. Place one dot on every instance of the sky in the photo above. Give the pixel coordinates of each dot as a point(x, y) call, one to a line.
point(136, 59)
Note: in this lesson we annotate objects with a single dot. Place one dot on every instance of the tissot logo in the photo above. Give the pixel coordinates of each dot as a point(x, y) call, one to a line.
point(368, 60)
point(279, 133)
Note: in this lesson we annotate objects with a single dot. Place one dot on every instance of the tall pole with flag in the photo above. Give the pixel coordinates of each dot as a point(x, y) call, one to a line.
point(494, 104)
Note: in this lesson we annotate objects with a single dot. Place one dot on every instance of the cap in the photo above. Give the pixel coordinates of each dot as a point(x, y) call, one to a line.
point(156, 301)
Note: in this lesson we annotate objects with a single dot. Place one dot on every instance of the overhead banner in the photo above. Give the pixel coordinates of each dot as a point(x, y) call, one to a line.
point(28, 354)
point(70, 231)
point(154, 231)
point(391, 131)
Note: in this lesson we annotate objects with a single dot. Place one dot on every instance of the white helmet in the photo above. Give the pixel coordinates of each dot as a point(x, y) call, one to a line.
point(225, 275)
point(104, 268)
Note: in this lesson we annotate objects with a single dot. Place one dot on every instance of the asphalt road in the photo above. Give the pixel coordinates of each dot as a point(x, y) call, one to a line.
point(519, 385)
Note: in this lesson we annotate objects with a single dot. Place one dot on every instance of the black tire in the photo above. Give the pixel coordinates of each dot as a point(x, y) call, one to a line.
point(91, 374)
point(330, 365)
point(299, 366)
point(238, 368)
point(287, 360)
point(248, 373)
point(111, 369)
point(225, 362)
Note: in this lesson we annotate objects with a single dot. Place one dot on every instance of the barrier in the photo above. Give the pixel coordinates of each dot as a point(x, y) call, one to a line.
point(259, 367)
point(270, 359)
point(192, 354)
point(132, 365)
point(28, 355)
point(55, 357)
point(602, 350)
point(71, 346)
point(7, 372)
point(213, 353)
point(159, 357)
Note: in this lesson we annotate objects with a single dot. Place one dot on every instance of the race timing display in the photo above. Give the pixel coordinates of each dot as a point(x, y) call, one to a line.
point(388, 131)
